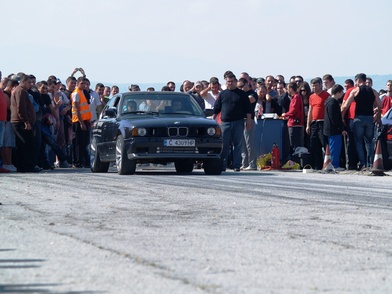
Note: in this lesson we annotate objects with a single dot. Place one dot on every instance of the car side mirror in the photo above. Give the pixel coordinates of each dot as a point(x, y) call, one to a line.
point(111, 113)
point(208, 112)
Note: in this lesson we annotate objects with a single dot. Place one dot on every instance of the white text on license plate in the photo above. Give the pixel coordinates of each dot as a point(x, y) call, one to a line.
point(179, 142)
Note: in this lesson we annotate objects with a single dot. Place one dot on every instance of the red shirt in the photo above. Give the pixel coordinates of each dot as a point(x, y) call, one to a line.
point(317, 102)
point(386, 104)
point(351, 109)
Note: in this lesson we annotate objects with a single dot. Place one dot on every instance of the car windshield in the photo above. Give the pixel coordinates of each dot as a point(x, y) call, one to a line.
point(165, 104)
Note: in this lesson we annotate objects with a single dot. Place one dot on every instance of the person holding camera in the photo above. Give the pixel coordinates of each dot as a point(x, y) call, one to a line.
point(296, 117)
point(78, 69)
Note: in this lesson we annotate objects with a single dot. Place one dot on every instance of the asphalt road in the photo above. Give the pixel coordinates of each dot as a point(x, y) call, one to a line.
point(71, 231)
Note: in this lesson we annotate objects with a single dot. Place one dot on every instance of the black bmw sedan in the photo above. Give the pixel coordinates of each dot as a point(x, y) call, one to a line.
point(155, 127)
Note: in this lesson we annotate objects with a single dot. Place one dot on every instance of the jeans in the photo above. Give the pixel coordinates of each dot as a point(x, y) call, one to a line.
point(48, 139)
point(38, 142)
point(363, 131)
point(249, 156)
point(2, 130)
point(335, 146)
point(232, 132)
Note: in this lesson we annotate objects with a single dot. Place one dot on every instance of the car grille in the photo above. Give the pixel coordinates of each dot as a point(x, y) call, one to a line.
point(189, 150)
point(178, 132)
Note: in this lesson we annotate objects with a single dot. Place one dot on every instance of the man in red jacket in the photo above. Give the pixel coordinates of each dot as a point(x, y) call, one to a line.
point(296, 117)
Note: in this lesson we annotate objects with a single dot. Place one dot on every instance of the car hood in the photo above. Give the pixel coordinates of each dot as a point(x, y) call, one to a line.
point(159, 121)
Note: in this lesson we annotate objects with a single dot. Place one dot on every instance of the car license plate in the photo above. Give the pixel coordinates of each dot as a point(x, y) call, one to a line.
point(179, 142)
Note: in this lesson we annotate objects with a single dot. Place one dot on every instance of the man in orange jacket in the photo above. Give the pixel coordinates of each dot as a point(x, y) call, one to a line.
point(81, 116)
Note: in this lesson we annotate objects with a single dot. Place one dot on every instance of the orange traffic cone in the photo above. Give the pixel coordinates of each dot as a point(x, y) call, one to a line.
point(327, 166)
point(378, 165)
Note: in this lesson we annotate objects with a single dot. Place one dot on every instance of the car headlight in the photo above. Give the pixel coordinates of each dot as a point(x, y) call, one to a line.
point(139, 132)
point(211, 131)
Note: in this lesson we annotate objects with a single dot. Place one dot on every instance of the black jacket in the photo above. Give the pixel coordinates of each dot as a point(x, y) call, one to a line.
point(284, 102)
point(275, 107)
point(333, 123)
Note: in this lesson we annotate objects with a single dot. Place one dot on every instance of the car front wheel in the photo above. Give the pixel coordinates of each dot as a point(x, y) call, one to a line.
point(125, 166)
point(97, 166)
point(213, 166)
point(184, 166)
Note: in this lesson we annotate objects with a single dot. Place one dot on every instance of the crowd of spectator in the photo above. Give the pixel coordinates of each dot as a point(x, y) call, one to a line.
point(47, 124)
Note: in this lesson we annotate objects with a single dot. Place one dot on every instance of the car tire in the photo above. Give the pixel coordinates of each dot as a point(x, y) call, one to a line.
point(213, 166)
point(184, 166)
point(97, 166)
point(124, 165)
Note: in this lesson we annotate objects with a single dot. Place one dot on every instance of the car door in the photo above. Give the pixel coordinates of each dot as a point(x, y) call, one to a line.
point(109, 128)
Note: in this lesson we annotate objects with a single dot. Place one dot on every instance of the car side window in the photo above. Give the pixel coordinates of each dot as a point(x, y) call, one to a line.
point(110, 105)
point(115, 102)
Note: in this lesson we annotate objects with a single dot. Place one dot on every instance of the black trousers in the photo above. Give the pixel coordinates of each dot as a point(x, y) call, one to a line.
point(25, 154)
point(352, 149)
point(317, 143)
point(81, 143)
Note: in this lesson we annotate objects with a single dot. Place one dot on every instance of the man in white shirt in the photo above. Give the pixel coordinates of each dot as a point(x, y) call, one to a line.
point(95, 101)
point(211, 93)
point(329, 82)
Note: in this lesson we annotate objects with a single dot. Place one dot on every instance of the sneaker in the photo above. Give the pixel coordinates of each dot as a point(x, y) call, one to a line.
point(10, 167)
point(236, 169)
point(339, 169)
point(4, 170)
point(250, 168)
point(64, 164)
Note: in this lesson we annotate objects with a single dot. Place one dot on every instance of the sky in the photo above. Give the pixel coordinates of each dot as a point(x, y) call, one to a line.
point(153, 41)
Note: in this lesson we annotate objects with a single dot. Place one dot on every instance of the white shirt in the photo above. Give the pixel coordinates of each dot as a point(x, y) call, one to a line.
point(94, 103)
point(210, 100)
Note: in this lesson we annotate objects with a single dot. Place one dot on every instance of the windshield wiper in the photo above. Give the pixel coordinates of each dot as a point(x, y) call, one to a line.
point(179, 112)
point(141, 112)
